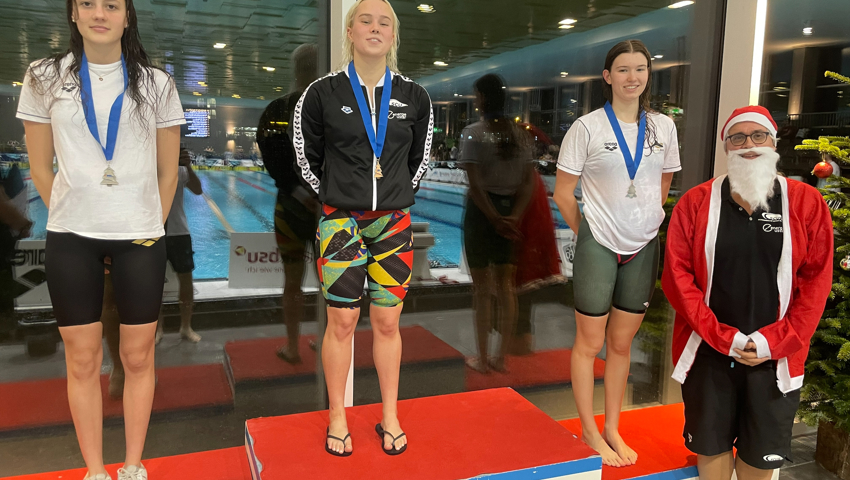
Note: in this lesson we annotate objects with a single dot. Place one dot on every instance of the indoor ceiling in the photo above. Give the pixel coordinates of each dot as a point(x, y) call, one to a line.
point(179, 35)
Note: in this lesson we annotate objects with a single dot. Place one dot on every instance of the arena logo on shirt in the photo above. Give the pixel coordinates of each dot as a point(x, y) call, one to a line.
point(69, 87)
point(611, 146)
point(400, 116)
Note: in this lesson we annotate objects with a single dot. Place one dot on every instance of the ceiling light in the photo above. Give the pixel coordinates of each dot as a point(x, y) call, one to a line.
point(425, 8)
point(658, 57)
point(219, 45)
point(17, 84)
point(268, 69)
point(564, 74)
point(441, 63)
point(517, 119)
point(504, 88)
point(203, 84)
point(568, 21)
point(197, 94)
point(684, 3)
point(808, 31)
point(236, 96)
point(566, 27)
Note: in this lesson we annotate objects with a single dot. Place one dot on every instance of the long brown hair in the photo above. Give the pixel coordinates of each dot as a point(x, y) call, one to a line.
point(634, 46)
point(47, 73)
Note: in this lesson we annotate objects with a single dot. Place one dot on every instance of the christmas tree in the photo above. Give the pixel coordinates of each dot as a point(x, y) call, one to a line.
point(825, 396)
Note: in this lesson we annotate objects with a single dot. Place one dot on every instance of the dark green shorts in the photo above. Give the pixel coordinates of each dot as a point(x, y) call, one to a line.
point(602, 278)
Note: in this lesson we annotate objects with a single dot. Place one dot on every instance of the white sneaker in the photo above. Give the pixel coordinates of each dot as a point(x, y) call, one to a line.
point(133, 473)
point(101, 476)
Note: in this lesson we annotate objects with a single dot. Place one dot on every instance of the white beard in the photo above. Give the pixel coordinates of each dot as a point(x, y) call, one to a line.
point(753, 179)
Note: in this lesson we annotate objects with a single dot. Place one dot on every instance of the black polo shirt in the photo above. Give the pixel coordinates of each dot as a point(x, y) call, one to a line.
point(744, 293)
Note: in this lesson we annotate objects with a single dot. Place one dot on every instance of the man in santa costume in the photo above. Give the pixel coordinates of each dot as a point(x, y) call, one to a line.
point(748, 270)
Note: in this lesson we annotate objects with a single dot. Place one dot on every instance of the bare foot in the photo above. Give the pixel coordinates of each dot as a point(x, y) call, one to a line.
point(476, 364)
point(625, 452)
point(609, 456)
point(288, 356)
point(339, 428)
point(391, 430)
point(190, 335)
point(497, 364)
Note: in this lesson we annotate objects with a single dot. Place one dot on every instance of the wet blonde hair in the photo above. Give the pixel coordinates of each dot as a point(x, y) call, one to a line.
point(348, 46)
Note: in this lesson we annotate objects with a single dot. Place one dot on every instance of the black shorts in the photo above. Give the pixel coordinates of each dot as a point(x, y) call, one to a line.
point(730, 404)
point(180, 254)
point(73, 266)
point(482, 244)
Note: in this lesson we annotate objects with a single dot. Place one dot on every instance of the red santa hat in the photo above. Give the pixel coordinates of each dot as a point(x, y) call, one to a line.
point(753, 113)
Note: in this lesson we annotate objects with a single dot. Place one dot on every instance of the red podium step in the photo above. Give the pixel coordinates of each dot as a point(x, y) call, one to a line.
point(226, 464)
point(44, 403)
point(655, 433)
point(494, 434)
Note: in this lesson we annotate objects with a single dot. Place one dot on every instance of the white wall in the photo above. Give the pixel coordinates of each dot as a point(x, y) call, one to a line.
point(737, 67)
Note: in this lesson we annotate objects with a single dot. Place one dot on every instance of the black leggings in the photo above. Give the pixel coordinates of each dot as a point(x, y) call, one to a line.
point(74, 269)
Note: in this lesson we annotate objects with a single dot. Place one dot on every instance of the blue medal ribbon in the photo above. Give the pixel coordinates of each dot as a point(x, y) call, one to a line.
point(114, 112)
point(632, 164)
point(377, 141)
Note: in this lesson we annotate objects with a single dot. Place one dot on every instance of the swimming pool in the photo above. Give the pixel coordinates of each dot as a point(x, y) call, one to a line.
point(245, 200)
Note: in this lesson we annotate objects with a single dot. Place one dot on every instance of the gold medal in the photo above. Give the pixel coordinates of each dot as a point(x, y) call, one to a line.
point(378, 172)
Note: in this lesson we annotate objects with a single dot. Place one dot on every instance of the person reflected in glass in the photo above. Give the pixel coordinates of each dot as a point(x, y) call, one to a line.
point(296, 211)
point(625, 155)
point(362, 141)
point(113, 121)
point(497, 156)
point(178, 247)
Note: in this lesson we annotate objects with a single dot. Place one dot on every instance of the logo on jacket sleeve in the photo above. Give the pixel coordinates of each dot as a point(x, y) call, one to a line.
point(396, 103)
point(346, 109)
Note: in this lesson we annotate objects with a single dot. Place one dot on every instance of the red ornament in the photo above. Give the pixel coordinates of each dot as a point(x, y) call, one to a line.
point(822, 170)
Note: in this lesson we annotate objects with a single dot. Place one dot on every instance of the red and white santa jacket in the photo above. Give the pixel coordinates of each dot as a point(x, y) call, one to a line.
point(804, 279)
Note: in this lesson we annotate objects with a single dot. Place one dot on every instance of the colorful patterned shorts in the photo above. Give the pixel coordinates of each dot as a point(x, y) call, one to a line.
point(355, 245)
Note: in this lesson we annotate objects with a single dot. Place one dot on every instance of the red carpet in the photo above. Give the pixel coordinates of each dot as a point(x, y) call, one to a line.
point(451, 437)
point(256, 360)
point(655, 433)
point(227, 464)
point(43, 403)
point(547, 367)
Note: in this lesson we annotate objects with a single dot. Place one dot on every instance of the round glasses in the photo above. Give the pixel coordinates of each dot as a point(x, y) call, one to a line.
point(739, 138)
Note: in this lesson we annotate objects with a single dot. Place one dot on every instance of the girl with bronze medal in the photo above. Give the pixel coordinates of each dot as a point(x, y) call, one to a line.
point(112, 120)
point(625, 155)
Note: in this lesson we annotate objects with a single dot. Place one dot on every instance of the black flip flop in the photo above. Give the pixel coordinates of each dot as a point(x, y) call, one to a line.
point(394, 451)
point(328, 449)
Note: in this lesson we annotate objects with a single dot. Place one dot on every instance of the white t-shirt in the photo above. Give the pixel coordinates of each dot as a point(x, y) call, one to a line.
point(499, 175)
point(623, 225)
point(177, 223)
point(78, 202)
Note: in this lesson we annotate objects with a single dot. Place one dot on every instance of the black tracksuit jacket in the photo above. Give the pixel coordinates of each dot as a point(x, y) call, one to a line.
point(333, 150)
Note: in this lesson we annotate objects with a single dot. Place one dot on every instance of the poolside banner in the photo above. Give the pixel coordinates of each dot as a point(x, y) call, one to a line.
point(254, 261)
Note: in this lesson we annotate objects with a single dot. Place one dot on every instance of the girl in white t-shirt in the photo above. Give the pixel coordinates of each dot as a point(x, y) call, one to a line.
point(625, 155)
point(112, 121)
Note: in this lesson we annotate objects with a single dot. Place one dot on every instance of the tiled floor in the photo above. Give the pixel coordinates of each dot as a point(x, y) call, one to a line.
point(804, 466)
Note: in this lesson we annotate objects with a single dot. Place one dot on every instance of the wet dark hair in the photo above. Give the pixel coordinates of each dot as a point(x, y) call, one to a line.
point(509, 138)
point(47, 73)
point(634, 46)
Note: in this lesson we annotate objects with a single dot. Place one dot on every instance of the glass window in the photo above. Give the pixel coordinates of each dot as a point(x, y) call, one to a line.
point(237, 68)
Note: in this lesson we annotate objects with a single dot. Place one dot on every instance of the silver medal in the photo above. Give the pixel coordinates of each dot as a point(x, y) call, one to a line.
point(632, 192)
point(109, 178)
